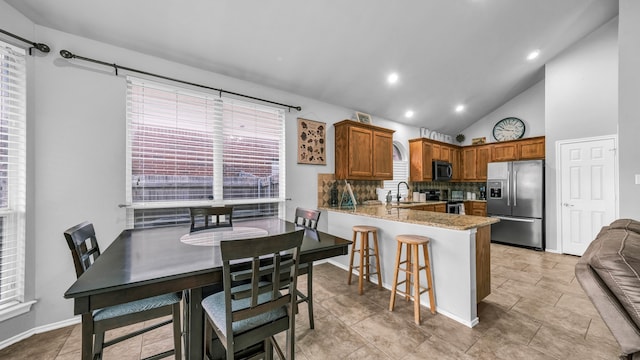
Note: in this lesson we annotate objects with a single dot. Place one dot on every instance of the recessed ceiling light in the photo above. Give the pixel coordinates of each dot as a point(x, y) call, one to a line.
point(532, 55)
point(460, 108)
point(392, 78)
point(409, 113)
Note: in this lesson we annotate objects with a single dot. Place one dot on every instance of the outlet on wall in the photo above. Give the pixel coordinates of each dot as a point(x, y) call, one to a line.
point(637, 179)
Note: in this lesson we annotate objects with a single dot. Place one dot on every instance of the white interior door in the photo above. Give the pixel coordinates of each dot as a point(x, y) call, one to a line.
point(587, 190)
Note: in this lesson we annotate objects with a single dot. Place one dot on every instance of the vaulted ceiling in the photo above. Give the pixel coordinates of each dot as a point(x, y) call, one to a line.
point(445, 52)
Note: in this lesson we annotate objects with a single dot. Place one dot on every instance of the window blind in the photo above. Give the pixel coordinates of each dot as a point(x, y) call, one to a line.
point(253, 151)
point(400, 173)
point(12, 173)
point(188, 148)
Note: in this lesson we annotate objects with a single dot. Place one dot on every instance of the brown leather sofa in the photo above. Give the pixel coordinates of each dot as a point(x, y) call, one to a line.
point(609, 272)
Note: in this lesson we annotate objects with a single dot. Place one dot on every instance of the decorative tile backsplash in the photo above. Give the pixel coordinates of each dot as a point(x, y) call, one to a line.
point(362, 189)
point(465, 187)
point(366, 190)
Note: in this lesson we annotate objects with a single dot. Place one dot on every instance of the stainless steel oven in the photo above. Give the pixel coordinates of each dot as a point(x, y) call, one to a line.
point(455, 207)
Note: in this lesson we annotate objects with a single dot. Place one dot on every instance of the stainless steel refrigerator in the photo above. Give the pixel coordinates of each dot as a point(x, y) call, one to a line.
point(515, 195)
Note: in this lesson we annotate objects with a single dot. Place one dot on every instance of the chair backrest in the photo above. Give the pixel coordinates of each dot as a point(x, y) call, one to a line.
point(307, 218)
point(202, 217)
point(269, 256)
point(83, 245)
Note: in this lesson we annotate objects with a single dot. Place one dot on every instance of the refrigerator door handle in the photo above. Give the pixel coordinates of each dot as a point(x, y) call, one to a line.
point(512, 219)
point(515, 188)
point(508, 188)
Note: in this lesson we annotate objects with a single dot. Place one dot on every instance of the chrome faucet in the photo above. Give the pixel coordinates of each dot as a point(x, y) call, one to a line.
point(407, 185)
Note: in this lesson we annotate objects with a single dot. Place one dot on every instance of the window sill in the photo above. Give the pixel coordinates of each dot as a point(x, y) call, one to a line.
point(14, 309)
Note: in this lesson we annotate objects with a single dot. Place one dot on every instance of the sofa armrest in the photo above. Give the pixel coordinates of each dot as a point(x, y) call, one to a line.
point(613, 314)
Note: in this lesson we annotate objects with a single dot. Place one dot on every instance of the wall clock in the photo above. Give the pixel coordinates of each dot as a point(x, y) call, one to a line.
point(510, 128)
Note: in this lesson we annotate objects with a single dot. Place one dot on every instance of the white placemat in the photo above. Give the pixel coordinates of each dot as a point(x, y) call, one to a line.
point(213, 237)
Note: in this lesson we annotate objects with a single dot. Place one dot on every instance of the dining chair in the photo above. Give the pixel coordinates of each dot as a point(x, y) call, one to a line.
point(202, 217)
point(84, 248)
point(309, 219)
point(246, 318)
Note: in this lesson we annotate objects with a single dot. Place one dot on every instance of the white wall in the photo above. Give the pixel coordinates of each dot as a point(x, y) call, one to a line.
point(578, 98)
point(581, 100)
point(527, 106)
point(629, 108)
point(77, 162)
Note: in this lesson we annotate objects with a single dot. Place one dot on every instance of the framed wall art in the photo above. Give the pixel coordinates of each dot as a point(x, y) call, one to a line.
point(478, 141)
point(363, 118)
point(312, 142)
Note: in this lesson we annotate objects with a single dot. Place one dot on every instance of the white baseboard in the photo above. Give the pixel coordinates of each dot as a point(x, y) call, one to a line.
point(38, 330)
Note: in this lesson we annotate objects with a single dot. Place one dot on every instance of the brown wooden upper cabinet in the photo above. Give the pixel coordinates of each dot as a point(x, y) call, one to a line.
point(469, 163)
point(525, 149)
point(420, 158)
point(456, 164)
point(442, 152)
point(363, 152)
point(422, 152)
point(504, 152)
point(532, 148)
point(474, 162)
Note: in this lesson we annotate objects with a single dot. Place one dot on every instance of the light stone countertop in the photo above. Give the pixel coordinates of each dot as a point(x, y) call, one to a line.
point(428, 218)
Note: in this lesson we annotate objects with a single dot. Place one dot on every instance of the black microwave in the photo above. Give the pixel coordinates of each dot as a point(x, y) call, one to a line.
point(442, 171)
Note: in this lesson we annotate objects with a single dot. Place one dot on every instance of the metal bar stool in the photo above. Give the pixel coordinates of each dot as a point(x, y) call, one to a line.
point(364, 268)
point(412, 270)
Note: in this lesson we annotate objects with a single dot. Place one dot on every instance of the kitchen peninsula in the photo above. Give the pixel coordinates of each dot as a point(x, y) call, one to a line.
point(459, 250)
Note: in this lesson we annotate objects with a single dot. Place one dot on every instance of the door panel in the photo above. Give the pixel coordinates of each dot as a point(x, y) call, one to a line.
point(498, 179)
point(528, 185)
point(483, 158)
point(498, 170)
point(587, 191)
point(382, 155)
point(427, 159)
point(518, 231)
point(497, 195)
point(360, 152)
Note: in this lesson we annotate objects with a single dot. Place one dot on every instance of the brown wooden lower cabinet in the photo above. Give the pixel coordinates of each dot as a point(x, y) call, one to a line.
point(431, 207)
point(476, 208)
point(483, 262)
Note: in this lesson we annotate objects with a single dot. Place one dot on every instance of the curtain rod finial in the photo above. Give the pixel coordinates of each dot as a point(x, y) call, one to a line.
point(42, 47)
point(66, 54)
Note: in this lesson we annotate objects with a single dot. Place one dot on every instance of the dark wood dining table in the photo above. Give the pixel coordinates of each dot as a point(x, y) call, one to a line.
point(146, 262)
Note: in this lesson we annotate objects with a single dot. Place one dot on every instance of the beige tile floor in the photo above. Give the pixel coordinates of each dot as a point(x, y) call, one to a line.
point(536, 310)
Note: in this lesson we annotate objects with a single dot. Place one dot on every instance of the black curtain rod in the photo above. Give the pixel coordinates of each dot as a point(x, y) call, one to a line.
point(69, 55)
point(40, 46)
